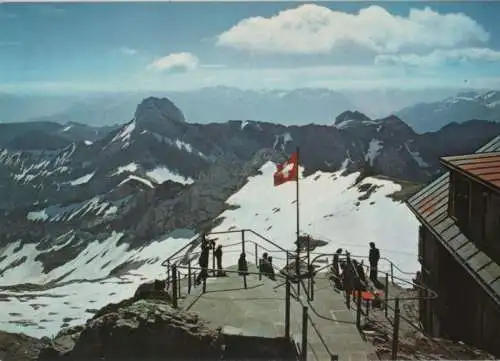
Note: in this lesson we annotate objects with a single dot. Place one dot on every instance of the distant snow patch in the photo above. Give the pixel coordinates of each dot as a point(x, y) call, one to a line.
point(131, 167)
point(162, 174)
point(67, 128)
point(343, 124)
point(133, 177)
point(125, 134)
point(88, 142)
point(82, 180)
point(374, 149)
point(416, 156)
point(244, 124)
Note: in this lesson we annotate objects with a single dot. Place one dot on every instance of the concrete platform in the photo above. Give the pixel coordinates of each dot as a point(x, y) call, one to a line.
point(259, 310)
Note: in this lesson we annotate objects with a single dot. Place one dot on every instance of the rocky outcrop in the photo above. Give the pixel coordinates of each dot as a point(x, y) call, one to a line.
point(147, 327)
point(19, 347)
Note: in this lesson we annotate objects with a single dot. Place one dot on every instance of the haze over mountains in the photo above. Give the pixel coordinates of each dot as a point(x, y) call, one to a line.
point(219, 104)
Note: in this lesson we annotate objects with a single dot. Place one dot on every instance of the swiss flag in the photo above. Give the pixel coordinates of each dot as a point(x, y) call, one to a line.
point(287, 171)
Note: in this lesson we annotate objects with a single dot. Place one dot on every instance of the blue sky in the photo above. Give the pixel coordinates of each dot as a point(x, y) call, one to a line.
point(78, 47)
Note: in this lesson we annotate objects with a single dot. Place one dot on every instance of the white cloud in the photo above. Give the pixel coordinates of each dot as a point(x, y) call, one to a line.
point(439, 57)
point(176, 62)
point(314, 29)
point(128, 51)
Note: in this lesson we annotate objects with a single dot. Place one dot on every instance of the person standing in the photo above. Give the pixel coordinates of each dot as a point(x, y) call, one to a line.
point(218, 257)
point(374, 257)
point(203, 260)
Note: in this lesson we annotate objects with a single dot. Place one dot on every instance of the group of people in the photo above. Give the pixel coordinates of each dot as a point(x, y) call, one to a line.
point(204, 259)
point(266, 266)
point(350, 276)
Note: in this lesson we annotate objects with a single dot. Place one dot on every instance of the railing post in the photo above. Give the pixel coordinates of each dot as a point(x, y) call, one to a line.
point(386, 293)
point(213, 262)
point(189, 277)
point(174, 286)
point(179, 281)
point(395, 334)
point(245, 280)
point(168, 271)
point(312, 287)
point(204, 284)
point(304, 334)
point(243, 241)
point(287, 308)
point(260, 273)
point(392, 273)
point(256, 253)
point(358, 309)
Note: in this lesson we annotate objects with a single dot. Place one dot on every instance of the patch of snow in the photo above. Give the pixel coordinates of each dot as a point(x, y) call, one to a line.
point(337, 217)
point(134, 177)
point(125, 134)
point(344, 124)
point(88, 142)
point(162, 174)
point(416, 156)
point(374, 149)
point(244, 124)
point(183, 146)
point(67, 128)
point(131, 167)
point(82, 180)
point(91, 286)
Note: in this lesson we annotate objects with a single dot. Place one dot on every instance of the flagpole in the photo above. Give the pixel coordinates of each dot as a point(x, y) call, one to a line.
point(297, 259)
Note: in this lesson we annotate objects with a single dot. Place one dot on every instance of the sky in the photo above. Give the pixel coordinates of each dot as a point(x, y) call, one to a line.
point(98, 47)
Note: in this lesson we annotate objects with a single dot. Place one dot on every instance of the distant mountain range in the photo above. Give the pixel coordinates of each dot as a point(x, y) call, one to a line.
point(220, 104)
point(426, 117)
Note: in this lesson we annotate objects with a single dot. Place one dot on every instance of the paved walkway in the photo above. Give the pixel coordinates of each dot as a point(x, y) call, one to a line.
point(260, 311)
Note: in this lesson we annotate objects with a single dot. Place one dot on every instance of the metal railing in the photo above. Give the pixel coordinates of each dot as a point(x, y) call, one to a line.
point(179, 270)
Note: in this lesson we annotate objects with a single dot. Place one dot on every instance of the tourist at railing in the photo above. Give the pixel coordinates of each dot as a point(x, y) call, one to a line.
point(242, 265)
point(269, 272)
point(203, 260)
point(347, 281)
point(218, 257)
point(262, 262)
point(374, 257)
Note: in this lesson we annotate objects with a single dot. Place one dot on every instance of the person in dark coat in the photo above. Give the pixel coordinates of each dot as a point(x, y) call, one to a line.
point(335, 265)
point(218, 257)
point(348, 280)
point(374, 257)
point(242, 265)
point(203, 260)
point(262, 262)
point(269, 271)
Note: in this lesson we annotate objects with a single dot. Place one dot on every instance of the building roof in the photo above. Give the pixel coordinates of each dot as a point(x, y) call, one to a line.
point(483, 167)
point(430, 206)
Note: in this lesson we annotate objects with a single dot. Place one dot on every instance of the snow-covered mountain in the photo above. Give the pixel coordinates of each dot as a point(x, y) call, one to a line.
point(428, 117)
point(84, 224)
point(39, 297)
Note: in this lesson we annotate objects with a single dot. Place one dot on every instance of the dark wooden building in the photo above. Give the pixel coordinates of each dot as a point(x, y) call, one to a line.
point(459, 249)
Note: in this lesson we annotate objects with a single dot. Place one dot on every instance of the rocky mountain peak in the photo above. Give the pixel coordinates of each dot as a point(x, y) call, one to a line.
point(349, 116)
point(154, 109)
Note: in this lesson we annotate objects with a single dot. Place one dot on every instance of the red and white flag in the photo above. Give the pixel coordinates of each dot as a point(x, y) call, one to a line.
point(287, 171)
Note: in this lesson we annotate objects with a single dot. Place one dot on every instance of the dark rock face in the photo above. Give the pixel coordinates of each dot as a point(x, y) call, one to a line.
point(19, 347)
